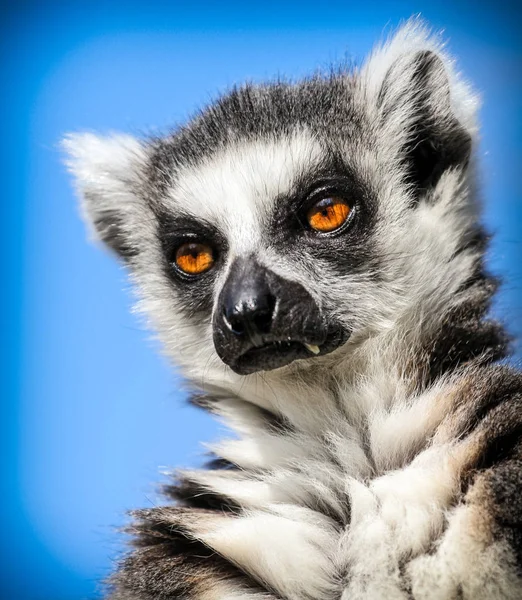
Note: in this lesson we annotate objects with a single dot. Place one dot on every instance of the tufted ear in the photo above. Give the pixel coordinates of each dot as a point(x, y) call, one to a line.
point(107, 172)
point(426, 111)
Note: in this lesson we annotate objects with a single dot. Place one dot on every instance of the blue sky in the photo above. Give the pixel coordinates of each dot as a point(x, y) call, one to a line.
point(91, 412)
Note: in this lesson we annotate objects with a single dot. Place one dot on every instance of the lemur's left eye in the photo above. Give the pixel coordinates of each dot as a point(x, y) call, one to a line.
point(328, 214)
point(194, 258)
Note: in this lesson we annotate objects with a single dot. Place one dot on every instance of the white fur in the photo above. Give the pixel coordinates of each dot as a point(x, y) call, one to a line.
point(106, 169)
point(397, 53)
point(236, 188)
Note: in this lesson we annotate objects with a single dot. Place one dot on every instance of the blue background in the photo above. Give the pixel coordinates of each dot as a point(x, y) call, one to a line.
point(89, 410)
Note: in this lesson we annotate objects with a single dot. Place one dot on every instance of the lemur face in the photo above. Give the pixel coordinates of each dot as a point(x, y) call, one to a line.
point(256, 240)
point(287, 222)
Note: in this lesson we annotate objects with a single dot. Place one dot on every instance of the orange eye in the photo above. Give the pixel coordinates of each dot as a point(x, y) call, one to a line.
point(328, 214)
point(194, 258)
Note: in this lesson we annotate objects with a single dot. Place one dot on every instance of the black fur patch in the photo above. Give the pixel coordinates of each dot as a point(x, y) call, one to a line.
point(195, 291)
point(505, 483)
point(254, 112)
point(436, 143)
point(210, 403)
point(192, 494)
point(464, 333)
point(503, 423)
point(218, 463)
point(207, 402)
point(491, 404)
point(112, 232)
point(436, 140)
point(167, 564)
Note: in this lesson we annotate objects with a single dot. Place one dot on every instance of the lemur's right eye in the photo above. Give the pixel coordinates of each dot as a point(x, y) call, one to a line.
point(194, 258)
point(328, 214)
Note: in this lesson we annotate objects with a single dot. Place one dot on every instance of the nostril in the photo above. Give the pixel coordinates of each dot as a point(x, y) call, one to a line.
point(262, 322)
point(234, 322)
point(263, 316)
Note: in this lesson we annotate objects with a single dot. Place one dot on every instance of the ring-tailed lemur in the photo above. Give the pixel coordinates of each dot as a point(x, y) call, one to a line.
point(312, 256)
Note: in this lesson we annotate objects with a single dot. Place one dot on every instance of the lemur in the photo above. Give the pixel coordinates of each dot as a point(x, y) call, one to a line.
point(311, 255)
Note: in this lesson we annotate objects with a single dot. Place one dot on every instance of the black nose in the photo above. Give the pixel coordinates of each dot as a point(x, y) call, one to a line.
point(250, 315)
point(264, 321)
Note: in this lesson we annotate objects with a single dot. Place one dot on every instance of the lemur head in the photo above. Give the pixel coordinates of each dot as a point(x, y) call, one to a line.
point(287, 224)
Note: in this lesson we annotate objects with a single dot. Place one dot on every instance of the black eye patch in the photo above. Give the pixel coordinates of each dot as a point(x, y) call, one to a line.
point(332, 177)
point(347, 249)
point(196, 293)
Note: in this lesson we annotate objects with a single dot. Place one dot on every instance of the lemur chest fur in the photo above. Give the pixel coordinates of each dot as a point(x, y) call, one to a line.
point(360, 440)
point(381, 493)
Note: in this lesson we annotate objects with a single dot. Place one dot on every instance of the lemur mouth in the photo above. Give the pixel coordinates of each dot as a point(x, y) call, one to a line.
point(279, 353)
point(272, 356)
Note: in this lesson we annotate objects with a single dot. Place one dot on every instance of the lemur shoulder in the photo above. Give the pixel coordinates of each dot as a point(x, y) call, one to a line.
point(312, 257)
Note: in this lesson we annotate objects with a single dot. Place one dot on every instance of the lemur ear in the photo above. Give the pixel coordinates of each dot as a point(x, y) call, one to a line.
point(425, 110)
point(107, 172)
